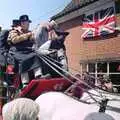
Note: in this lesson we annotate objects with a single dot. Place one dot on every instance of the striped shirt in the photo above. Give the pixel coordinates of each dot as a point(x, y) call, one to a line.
point(16, 36)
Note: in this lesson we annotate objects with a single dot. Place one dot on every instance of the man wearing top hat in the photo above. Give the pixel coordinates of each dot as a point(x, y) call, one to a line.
point(23, 35)
point(49, 37)
point(15, 23)
point(21, 41)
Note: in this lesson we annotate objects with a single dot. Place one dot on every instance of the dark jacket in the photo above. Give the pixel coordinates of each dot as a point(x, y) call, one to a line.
point(58, 43)
point(22, 56)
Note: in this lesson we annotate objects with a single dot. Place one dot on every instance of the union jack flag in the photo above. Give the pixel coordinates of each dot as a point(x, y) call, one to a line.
point(100, 23)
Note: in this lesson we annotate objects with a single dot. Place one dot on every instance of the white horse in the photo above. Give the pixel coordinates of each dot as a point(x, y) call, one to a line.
point(58, 106)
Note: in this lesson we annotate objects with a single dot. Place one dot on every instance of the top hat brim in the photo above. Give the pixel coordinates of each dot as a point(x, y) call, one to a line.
point(29, 21)
point(26, 20)
point(60, 32)
point(13, 25)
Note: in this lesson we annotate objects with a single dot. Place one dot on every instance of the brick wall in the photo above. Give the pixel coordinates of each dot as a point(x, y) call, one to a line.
point(79, 50)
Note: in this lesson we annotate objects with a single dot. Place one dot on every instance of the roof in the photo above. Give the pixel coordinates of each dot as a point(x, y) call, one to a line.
point(72, 7)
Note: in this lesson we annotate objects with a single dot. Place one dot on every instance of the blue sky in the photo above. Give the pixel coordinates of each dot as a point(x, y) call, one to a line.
point(38, 10)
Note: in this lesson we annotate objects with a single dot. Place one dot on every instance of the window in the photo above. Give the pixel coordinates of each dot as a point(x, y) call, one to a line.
point(84, 67)
point(115, 78)
point(117, 6)
point(115, 67)
point(91, 67)
point(112, 69)
point(102, 67)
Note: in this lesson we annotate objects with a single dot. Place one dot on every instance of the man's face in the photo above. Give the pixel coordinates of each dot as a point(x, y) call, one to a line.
point(25, 25)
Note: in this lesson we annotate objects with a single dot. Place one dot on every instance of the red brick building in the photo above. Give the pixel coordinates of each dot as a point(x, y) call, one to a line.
point(98, 55)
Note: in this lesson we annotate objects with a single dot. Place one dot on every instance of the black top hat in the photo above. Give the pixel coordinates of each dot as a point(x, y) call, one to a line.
point(24, 18)
point(15, 23)
point(60, 32)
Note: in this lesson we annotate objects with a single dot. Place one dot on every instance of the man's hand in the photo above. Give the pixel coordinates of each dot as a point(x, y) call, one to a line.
point(52, 35)
point(31, 36)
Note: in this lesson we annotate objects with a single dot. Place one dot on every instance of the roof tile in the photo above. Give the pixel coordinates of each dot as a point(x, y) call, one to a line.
point(72, 6)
